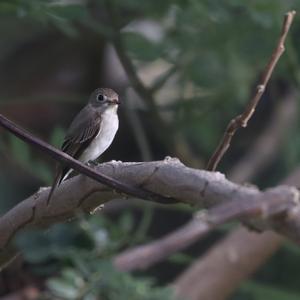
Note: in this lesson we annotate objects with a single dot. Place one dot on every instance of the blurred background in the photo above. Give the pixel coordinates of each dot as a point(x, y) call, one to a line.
point(183, 69)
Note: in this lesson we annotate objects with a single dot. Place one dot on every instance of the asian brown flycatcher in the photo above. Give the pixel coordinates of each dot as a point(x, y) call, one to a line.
point(91, 132)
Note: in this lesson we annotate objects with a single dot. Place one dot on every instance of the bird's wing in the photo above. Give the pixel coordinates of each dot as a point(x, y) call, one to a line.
point(82, 131)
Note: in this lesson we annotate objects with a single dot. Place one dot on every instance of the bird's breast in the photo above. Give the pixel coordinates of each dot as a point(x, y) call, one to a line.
point(108, 128)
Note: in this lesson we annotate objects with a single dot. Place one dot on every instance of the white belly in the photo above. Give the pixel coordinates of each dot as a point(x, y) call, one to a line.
point(109, 126)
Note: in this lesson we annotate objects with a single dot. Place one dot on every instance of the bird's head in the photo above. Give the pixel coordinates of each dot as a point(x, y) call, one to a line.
point(104, 98)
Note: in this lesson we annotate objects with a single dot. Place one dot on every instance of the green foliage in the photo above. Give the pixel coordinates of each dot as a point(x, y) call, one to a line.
point(105, 282)
point(255, 291)
point(216, 47)
point(53, 12)
point(81, 254)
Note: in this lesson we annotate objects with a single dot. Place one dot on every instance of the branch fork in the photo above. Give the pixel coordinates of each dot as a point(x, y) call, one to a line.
point(242, 120)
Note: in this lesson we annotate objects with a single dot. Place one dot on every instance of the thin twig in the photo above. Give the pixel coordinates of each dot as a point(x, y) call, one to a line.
point(242, 120)
point(179, 239)
point(78, 166)
point(267, 144)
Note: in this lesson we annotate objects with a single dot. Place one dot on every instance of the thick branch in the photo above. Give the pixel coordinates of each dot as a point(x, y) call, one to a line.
point(259, 154)
point(169, 178)
point(78, 166)
point(241, 252)
point(225, 266)
point(242, 120)
point(265, 207)
point(233, 254)
point(184, 236)
point(238, 255)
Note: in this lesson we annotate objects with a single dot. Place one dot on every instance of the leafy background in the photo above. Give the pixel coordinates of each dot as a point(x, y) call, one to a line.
point(205, 58)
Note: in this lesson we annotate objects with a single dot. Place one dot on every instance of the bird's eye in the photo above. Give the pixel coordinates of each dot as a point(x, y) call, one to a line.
point(100, 97)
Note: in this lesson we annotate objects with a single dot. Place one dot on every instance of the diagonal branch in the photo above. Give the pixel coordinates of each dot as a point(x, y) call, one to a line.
point(268, 206)
point(240, 250)
point(242, 120)
point(78, 166)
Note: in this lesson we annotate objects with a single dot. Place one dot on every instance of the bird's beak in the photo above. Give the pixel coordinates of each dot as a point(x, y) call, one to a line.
point(115, 101)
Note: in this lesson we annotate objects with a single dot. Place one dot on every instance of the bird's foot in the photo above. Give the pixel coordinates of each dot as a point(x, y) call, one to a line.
point(92, 163)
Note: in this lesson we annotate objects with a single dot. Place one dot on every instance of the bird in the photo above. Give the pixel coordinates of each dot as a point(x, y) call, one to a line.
point(90, 133)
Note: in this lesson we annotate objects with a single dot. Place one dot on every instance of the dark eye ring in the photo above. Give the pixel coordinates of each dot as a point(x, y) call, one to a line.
point(100, 97)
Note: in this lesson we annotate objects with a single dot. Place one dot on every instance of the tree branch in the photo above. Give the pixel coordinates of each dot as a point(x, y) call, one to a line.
point(242, 120)
point(268, 206)
point(169, 178)
point(179, 239)
point(238, 255)
point(78, 166)
point(241, 249)
point(268, 143)
point(225, 266)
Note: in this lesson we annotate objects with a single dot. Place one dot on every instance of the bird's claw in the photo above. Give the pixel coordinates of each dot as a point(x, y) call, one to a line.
point(92, 163)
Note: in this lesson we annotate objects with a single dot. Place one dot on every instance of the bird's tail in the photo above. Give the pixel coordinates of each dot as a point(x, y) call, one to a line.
point(57, 180)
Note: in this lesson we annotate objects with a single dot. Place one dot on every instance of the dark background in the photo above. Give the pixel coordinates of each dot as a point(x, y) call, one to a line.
point(205, 58)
